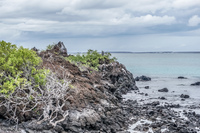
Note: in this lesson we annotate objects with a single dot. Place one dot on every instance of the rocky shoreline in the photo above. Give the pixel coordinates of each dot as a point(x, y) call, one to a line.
point(157, 114)
point(95, 104)
point(157, 118)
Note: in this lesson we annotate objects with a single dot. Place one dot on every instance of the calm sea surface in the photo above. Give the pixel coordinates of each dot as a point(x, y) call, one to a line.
point(161, 64)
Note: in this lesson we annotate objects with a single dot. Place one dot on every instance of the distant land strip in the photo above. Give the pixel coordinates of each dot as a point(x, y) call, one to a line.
point(154, 52)
point(129, 52)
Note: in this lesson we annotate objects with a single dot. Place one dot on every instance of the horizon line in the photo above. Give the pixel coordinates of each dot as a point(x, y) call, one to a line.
point(146, 52)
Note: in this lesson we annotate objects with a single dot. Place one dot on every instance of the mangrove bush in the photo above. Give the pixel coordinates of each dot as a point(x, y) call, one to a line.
point(19, 67)
point(92, 58)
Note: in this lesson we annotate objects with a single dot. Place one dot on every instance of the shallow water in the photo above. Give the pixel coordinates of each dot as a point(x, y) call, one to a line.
point(164, 70)
point(175, 86)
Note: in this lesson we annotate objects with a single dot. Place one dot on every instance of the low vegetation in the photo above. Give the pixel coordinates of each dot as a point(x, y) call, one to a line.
point(92, 59)
point(19, 67)
point(50, 46)
point(29, 91)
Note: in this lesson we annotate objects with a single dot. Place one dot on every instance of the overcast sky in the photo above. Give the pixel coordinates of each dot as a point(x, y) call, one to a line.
point(114, 25)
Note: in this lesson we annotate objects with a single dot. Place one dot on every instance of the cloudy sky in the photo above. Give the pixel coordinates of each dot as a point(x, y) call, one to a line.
point(114, 25)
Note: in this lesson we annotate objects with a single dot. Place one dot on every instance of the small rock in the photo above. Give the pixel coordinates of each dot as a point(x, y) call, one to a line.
point(146, 87)
point(195, 84)
point(184, 96)
point(163, 90)
point(143, 78)
point(150, 112)
point(141, 93)
point(162, 98)
point(181, 77)
point(175, 106)
point(155, 103)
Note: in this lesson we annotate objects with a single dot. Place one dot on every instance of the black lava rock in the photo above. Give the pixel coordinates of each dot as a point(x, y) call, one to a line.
point(195, 84)
point(162, 98)
point(181, 77)
point(143, 78)
point(146, 87)
point(184, 96)
point(163, 90)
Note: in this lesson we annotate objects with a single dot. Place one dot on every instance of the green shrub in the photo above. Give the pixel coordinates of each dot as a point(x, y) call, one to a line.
point(18, 67)
point(92, 59)
point(50, 46)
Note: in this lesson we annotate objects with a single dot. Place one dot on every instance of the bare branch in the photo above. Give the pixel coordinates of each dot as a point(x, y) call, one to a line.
point(49, 98)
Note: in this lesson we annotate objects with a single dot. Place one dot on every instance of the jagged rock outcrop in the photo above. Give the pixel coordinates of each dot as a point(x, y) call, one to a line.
point(117, 79)
point(58, 49)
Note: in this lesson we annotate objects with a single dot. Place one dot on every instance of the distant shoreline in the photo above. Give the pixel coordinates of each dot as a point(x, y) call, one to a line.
point(128, 52)
point(198, 52)
point(152, 52)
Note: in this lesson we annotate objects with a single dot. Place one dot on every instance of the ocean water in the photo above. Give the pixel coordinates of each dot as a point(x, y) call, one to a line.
point(161, 64)
point(164, 69)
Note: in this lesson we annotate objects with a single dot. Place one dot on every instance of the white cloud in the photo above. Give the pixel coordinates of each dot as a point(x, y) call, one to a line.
point(185, 4)
point(94, 27)
point(194, 21)
point(147, 20)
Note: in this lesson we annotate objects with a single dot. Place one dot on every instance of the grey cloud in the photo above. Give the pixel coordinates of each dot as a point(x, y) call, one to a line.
point(98, 4)
point(194, 21)
point(105, 21)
